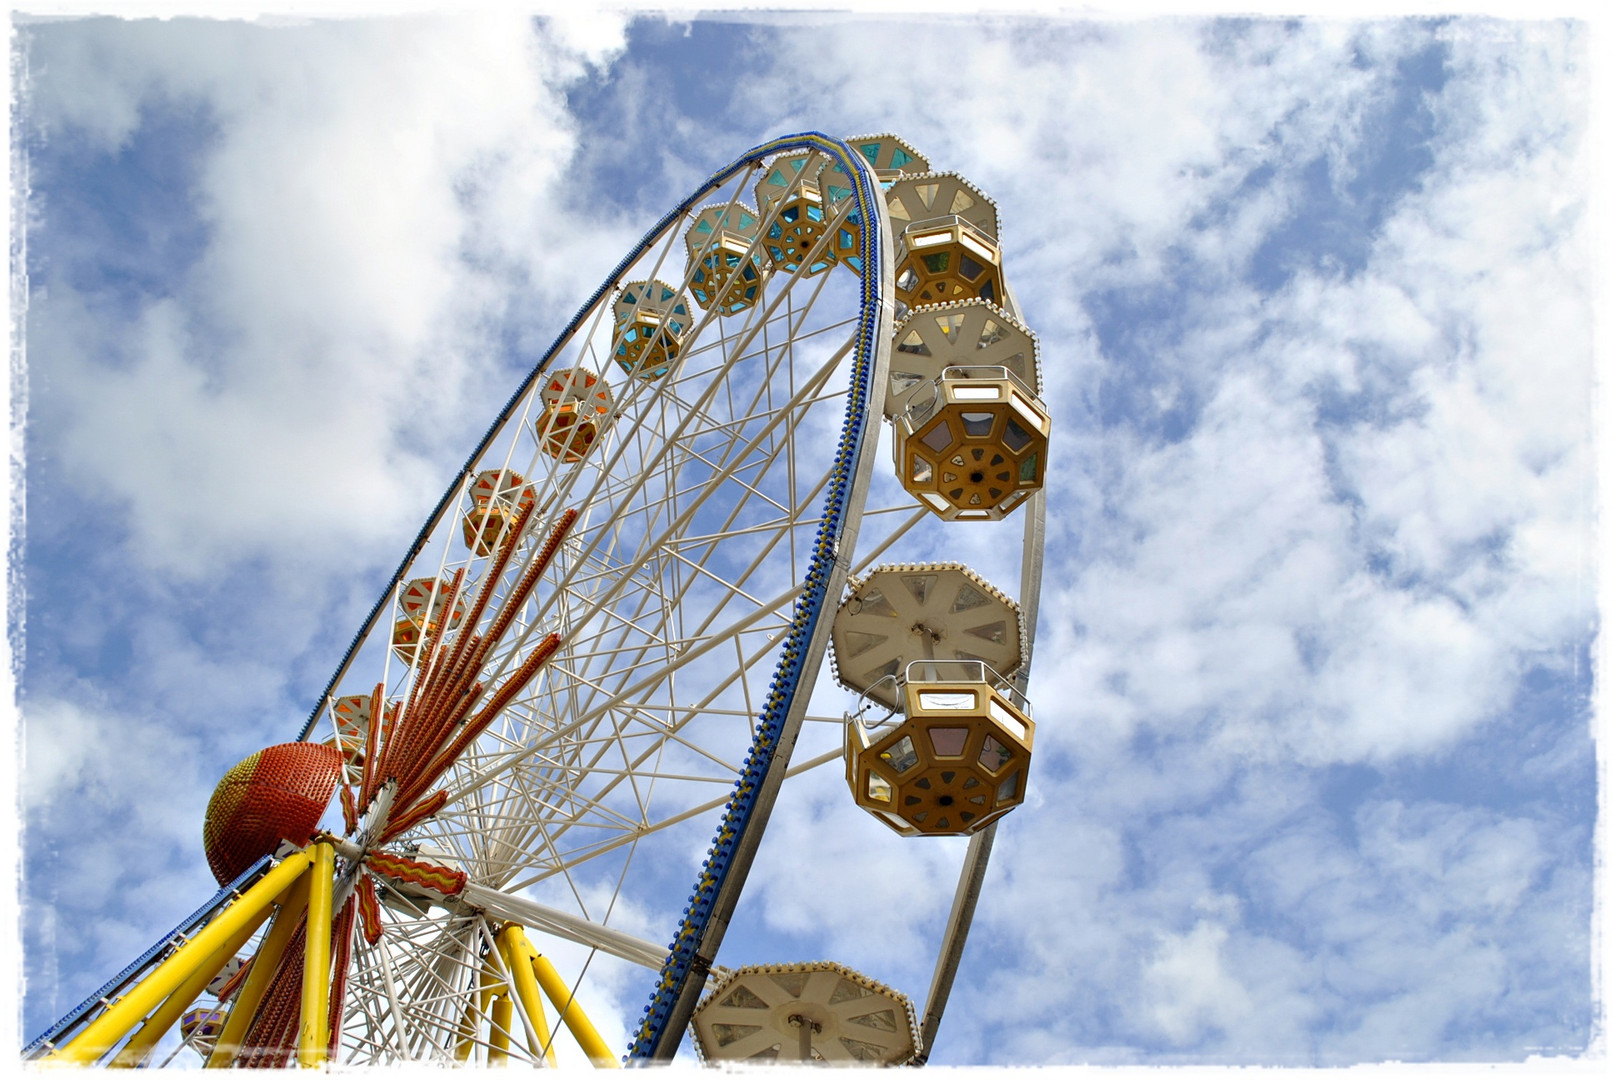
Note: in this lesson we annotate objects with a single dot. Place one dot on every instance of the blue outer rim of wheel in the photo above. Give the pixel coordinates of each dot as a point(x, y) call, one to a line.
point(808, 607)
point(736, 816)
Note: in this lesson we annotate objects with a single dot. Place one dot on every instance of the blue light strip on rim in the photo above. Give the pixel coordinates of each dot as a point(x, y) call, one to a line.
point(808, 607)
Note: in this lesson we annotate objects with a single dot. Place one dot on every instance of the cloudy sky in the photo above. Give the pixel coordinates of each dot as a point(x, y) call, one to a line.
point(1315, 779)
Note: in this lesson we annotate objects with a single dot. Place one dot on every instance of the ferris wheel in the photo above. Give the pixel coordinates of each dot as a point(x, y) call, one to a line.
point(606, 646)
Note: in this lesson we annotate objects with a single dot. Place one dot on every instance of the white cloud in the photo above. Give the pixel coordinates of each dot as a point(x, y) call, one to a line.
point(369, 193)
point(1475, 493)
point(134, 791)
point(1233, 589)
point(1189, 987)
point(596, 36)
point(1377, 524)
point(247, 441)
point(1478, 862)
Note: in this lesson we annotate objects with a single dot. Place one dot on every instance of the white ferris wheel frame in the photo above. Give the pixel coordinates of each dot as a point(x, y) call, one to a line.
point(693, 597)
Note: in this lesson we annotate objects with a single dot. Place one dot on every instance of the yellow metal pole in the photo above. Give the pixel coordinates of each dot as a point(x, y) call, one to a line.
point(570, 1012)
point(253, 906)
point(526, 986)
point(498, 1048)
point(488, 980)
point(313, 1034)
point(157, 1024)
point(293, 902)
point(471, 1019)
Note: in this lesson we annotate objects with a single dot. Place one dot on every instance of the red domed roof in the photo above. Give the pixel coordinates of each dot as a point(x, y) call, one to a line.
point(278, 793)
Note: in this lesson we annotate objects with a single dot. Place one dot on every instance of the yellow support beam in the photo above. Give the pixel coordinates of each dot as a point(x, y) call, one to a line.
point(313, 1033)
point(571, 1013)
point(140, 1045)
point(526, 988)
point(293, 902)
point(498, 1043)
point(252, 907)
point(470, 1020)
point(489, 984)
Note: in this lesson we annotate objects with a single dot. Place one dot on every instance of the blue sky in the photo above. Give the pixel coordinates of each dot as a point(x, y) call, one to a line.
point(1316, 780)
